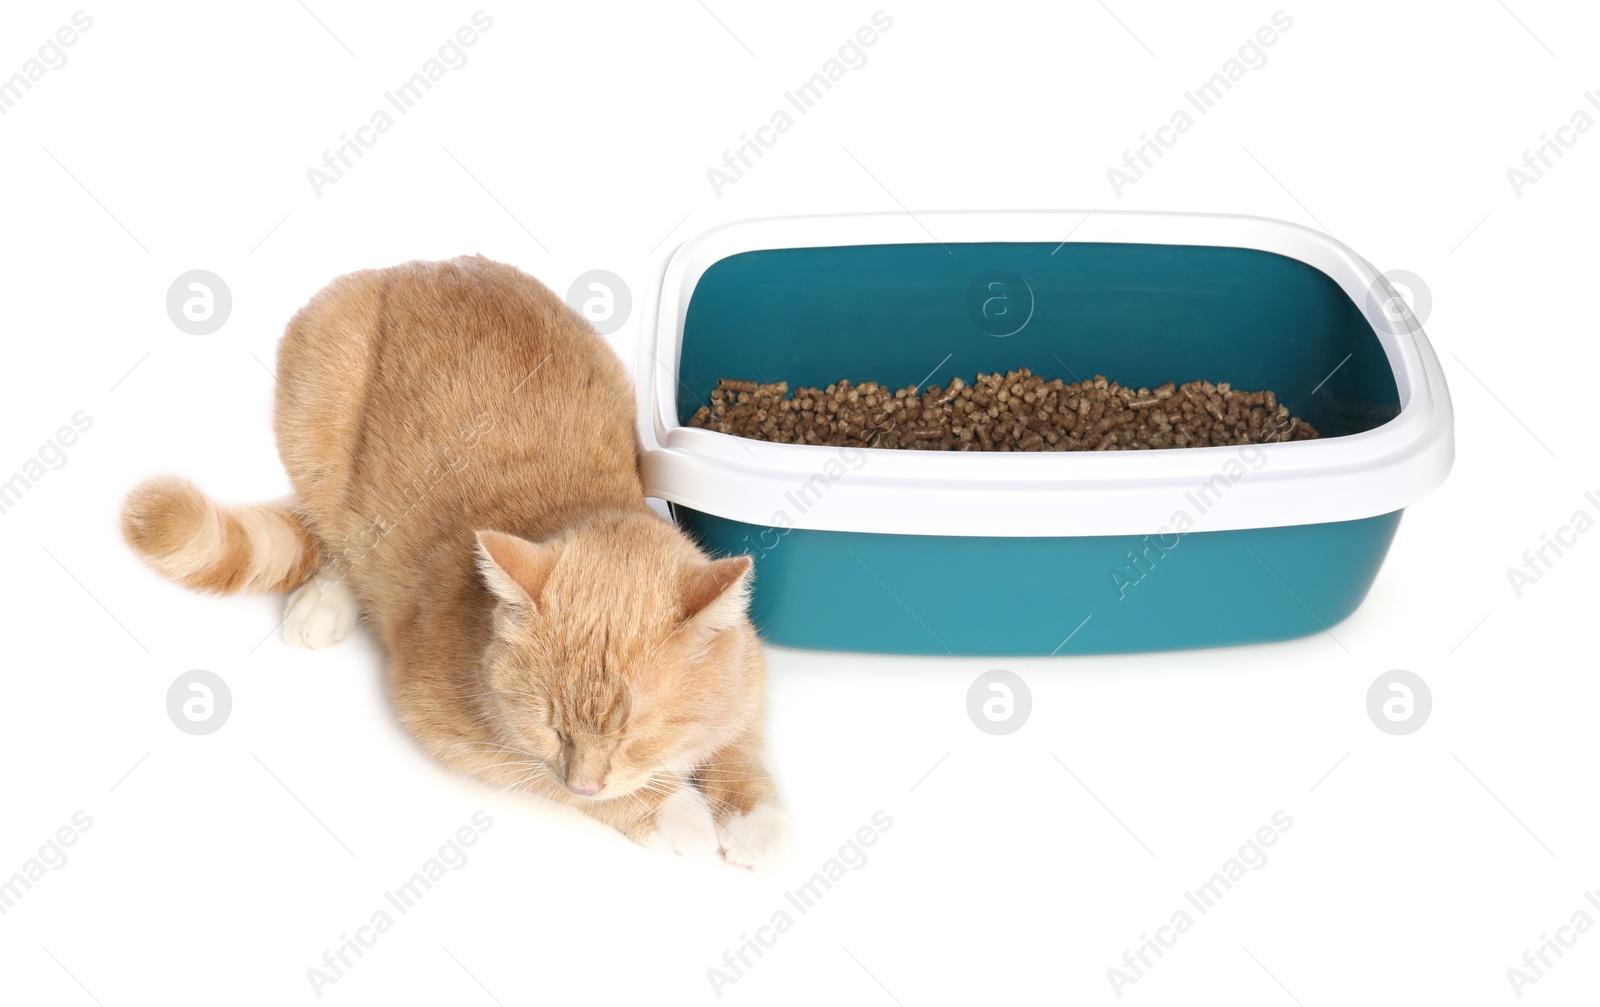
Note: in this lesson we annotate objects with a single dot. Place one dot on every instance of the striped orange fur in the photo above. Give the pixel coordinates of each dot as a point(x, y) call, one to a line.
point(188, 538)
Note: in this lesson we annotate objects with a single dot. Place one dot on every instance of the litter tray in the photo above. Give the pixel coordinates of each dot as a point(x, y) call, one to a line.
point(1003, 553)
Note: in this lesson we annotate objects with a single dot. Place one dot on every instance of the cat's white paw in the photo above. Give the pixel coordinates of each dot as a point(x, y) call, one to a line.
point(320, 612)
point(758, 840)
point(684, 825)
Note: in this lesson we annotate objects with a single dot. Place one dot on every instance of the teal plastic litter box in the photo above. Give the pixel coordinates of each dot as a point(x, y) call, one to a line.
point(998, 553)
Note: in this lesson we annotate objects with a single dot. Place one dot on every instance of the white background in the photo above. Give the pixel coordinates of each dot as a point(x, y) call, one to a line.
point(219, 868)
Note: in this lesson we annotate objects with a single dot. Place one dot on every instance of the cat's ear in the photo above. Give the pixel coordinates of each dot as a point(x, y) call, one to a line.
point(714, 594)
point(515, 569)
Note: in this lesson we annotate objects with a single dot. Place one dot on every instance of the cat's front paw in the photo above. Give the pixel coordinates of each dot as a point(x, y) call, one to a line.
point(683, 825)
point(758, 840)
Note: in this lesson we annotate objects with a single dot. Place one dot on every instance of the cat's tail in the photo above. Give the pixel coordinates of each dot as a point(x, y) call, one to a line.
point(186, 537)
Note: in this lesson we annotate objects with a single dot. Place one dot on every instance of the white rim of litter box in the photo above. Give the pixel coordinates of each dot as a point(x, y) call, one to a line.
point(1008, 494)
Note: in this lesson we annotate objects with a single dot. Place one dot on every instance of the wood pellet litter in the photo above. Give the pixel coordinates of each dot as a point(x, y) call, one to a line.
point(1019, 411)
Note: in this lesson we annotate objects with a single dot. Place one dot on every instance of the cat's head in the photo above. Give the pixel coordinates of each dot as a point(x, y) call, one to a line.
point(620, 653)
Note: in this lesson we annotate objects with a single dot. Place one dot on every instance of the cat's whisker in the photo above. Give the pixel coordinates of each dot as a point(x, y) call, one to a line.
point(522, 786)
point(521, 762)
point(490, 744)
point(656, 786)
point(516, 774)
point(528, 779)
point(714, 769)
point(723, 786)
point(710, 775)
point(499, 692)
point(713, 798)
point(537, 772)
point(499, 765)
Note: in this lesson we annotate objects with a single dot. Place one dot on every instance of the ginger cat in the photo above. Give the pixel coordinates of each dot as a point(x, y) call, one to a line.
point(465, 467)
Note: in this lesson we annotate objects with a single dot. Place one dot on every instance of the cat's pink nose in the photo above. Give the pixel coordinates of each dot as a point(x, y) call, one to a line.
point(583, 791)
